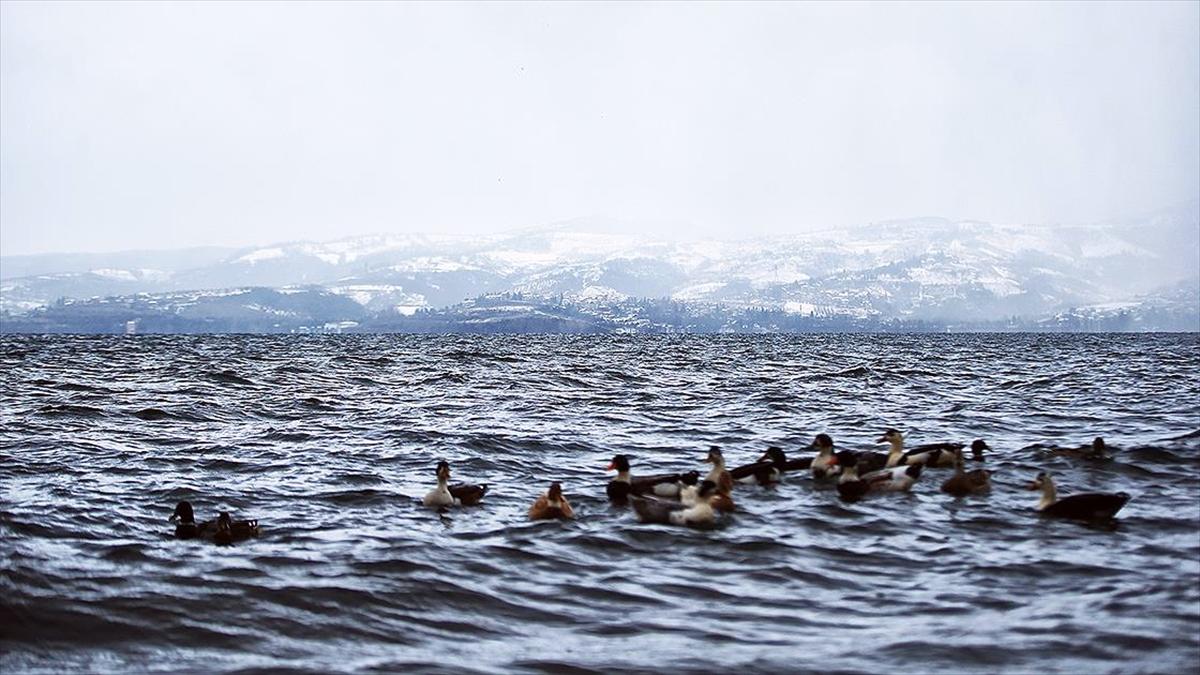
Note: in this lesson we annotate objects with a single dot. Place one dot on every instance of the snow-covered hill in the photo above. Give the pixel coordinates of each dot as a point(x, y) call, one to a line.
point(928, 268)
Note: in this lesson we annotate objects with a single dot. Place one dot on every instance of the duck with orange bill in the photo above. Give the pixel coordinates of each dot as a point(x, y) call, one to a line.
point(459, 494)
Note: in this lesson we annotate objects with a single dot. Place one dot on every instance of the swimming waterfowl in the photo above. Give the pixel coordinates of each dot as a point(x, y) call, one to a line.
point(825, 464)
point(186, 526)
point(1095, 450)
point(625, 484)
point(674, 513)
point(896, 479)
point(721, 477)
point(459, 494)
point(930, 454)
point(552, 504)
point(1091, 506)
point(965, 482)
point(849, 486)
point(767, 470)
point(230, 531)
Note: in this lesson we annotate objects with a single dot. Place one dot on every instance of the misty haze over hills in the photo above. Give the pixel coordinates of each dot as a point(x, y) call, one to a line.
point(956, 273)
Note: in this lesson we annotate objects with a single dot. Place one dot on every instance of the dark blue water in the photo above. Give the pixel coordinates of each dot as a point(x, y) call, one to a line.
point(331, 441)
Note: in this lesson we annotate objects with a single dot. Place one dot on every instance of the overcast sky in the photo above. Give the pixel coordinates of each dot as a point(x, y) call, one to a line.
point(152, 125)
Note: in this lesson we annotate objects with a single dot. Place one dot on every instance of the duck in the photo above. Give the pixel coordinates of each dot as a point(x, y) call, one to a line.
point(1092, 506)
point(930, 454)
point(229, 531)
point(186, 526)
point(459, 494)
point(851, 486)
point(700, 514)
point(767, 470)
point(964, 482)
point(552, 504)
point(721, 477)
point(624, 484)
point(825, 464)
point(1096, 450)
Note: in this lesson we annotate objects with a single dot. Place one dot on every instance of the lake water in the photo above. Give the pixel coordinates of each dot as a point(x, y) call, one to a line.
point(331, 441)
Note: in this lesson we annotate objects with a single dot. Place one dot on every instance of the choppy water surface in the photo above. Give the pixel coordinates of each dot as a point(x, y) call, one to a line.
point(331, 441)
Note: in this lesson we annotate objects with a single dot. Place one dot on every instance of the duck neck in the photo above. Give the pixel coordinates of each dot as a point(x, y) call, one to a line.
point(443, 484)
point(715, 474)
point(622, 477)
point(1049, 494)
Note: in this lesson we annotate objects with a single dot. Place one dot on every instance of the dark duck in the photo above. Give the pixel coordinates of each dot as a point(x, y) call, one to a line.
point(1091, 506)
point(186, 526)
point(230, 531)
point(767, 470)
point(459, 494)
point(625, 484)
point(851, 486)
point(964, 482)
point(223, 530)
point(1096, 450)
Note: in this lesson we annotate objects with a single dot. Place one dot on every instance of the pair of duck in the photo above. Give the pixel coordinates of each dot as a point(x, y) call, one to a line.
point(223, 531)
point(552, 504)
point(681, 498)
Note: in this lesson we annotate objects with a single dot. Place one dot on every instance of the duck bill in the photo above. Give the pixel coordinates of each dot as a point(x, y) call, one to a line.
point(1033, 485)
point(881, 439)
point(174, 517)
point(611, 467)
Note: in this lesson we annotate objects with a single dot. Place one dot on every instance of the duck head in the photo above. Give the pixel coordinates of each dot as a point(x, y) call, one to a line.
point(443, 470)
point(708, 490)
point(848, 460)
point(554, 494)
point(1098, 447)
point(891, 436)
point(776, 456)
point(689, 478)
point(224, 522)
point(715, 456)
point(620, 464)
point(977, 448)
point(1044, 483)
point(914, 470)
point(823, 444)
point(183, 514)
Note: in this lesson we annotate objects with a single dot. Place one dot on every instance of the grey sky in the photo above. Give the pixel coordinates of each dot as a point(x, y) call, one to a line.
point(151, 125)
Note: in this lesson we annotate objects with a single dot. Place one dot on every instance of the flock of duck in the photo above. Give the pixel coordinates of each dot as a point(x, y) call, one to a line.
point(687, 500)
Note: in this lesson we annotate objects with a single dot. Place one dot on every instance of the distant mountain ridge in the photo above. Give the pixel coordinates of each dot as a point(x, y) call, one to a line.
point(927, 269)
